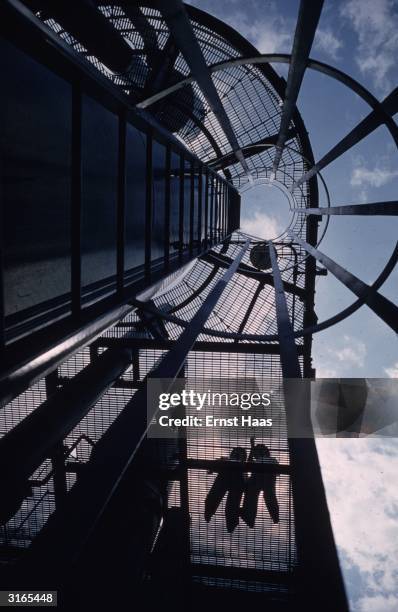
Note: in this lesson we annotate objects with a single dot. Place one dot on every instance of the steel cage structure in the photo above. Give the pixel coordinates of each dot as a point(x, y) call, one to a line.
point(144, 274)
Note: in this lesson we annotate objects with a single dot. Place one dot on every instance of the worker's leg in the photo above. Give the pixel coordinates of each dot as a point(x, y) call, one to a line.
point(272, 503)
point(215, 495)
point(250, 501)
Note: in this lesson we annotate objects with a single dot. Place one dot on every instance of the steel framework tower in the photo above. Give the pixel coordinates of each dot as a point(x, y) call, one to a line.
point(144, 121)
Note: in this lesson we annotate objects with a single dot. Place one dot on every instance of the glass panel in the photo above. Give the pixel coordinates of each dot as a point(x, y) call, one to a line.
point(211, 207)
point(223, 209)
point(216, 209)
point(36, 166)
point(174, 203)
point(203, 210)
point(135, 198)
point(196, 207)
point(159, 186)
point(226, 208)
point(187, 203)
point(99, 191)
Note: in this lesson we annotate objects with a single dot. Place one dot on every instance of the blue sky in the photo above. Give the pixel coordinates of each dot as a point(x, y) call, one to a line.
point(361, 38)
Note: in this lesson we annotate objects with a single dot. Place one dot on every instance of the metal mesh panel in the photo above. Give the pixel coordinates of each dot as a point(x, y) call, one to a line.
point(266, 547)
point(14, 412)
point(34, 512)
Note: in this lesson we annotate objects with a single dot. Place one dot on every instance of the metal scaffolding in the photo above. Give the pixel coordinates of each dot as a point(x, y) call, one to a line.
point(205, 115)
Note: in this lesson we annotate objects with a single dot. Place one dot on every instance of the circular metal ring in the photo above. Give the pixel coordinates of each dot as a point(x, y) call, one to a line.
point(368, 97)
point(306, 256)
point(343, 314)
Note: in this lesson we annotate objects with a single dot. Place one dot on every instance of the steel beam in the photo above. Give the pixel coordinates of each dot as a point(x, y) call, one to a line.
point(200, 207)
point(200, 345)
point(76, 202)
point(288, 349)
point(380, 305)
point(62, 540)
point(150, 41)
point(206, 203)
point(307, 22)
point(181, 204)
point(249, 309)
point(185, 554)
point(371, 122)
point(148, 205)
point(121, 206)
point(218, 465)
point(318, 567)
point(167, 198)
point(192, 209)
point(181, 28)
point(376, 208)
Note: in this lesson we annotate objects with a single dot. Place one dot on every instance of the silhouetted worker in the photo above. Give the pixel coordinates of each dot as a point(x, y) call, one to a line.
point(231, 483)
point(260, 482)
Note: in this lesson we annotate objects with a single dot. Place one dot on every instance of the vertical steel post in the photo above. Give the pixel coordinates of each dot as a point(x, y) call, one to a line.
point(191, 207)
point(307, 22)
point(319, 578)
point(289, 358)
point(206, 239)
point(76, 203)
point(167, 209)
point(148, 205)
point(200, 207)
point(211, 229)
point(181, 205)
point(121, 205)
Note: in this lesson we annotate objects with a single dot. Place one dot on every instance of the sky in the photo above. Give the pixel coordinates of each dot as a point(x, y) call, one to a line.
point(359, 37)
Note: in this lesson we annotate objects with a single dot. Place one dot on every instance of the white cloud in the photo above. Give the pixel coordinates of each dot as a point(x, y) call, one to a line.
point(261, 226)
point(270, 32)
point(258, 21)
point(326, 42)
point(271, 36)
point(392, 372)
point(378, 603)
point(376, 24)
point(377, 177)
point(326, 372)
point(362, 493)
point(352, 353)
point(344, 358)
